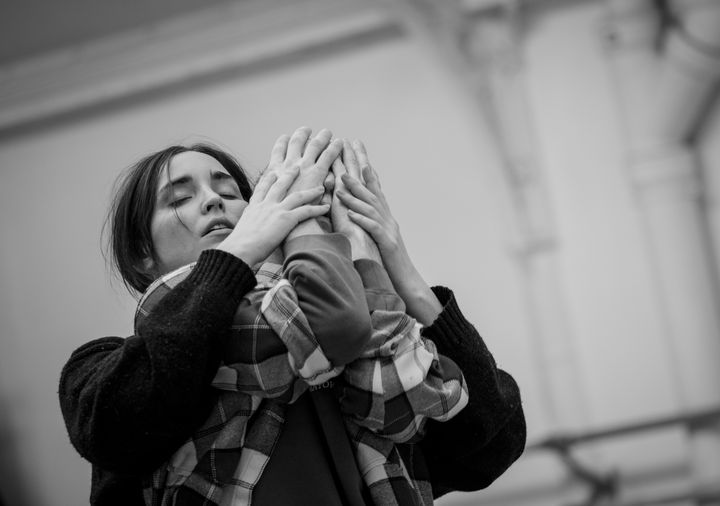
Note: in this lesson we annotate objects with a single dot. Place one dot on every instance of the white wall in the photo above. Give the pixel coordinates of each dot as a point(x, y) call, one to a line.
point(442, 177)
point(612, 300)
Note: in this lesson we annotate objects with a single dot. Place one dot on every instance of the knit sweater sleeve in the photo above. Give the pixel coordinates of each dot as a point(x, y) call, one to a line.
point(128, 403)
point(473, 449)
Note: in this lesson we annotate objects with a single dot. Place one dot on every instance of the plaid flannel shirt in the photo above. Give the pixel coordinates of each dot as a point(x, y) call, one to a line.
point(272, 357)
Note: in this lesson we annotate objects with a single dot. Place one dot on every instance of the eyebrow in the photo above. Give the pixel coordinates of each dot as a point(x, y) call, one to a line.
point(183, 180)
point(221, 176)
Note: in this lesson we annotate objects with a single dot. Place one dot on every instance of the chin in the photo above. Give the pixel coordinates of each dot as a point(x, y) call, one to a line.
point(213, 239)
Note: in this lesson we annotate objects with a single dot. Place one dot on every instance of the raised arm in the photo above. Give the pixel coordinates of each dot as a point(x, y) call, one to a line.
point(320, 269)
point(369, 209)
point(399, 382)
point(483, 440)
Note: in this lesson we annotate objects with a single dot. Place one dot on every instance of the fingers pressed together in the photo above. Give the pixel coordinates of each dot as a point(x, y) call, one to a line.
point(301, 161)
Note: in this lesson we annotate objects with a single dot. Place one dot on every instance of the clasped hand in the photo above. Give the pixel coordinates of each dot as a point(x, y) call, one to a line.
point(308, 177)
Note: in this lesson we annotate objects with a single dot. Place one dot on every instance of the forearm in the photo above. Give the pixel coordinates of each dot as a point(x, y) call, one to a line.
point(128, 402)
point(399, 381)
point(329, 293)
point(422, 303)
point(312, 226)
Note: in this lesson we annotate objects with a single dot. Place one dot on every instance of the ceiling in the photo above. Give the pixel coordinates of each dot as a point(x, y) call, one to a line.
point(31, 27)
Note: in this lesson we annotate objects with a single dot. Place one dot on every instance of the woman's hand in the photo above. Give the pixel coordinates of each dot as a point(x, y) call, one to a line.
point(313, 156)
point(368, 208)
point(362, 245)
point(271, 214)
point(366, 203)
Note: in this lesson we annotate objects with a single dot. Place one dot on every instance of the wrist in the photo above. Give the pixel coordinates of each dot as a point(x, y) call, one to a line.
point(363, 247)
point(245, 252)
point(307, 227)
point(421, 302)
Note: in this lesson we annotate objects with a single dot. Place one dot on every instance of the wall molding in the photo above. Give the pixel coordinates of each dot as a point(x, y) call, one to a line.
point(229, 38)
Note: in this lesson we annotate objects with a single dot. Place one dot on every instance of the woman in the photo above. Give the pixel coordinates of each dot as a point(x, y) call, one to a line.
point(130, 403)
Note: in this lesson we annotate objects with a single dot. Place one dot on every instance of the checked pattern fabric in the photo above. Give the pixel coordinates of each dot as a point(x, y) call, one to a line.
point(272, 357)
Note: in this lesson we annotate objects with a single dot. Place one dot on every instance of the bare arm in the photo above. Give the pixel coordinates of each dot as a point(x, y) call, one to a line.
point(369, 209)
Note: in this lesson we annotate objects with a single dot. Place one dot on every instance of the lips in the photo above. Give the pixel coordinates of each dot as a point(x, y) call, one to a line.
point(218, 225)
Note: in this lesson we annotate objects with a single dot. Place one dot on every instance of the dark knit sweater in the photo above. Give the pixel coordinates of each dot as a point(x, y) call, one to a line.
point(130, 403)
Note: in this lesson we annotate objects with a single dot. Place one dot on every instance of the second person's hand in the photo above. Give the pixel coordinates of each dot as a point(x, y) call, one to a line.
point(312, 155)
point(369, 209)
point(361, 244)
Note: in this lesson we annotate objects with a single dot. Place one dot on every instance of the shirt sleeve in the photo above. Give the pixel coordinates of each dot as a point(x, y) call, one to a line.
point(254, 359)
point(318, 309)
point(310, 321)
point(129, 403)
point(272, 341)
point(477, 446)
point(399, 381)
point(330, 293)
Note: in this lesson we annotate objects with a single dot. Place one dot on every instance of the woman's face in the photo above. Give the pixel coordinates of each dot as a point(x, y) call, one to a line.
point(198, 204)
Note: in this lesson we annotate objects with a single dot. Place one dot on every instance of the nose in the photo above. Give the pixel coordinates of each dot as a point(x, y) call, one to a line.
point(212, 201)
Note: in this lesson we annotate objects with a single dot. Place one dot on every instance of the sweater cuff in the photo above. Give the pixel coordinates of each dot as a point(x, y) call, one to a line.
point(379, 290)
point(450, 326)
point(333, 243)
point(229, 275)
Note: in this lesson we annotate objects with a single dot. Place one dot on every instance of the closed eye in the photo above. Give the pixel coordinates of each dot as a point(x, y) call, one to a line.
point(178, 202)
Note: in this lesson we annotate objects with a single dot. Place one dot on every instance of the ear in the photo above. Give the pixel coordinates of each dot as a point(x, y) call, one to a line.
point(148, 265)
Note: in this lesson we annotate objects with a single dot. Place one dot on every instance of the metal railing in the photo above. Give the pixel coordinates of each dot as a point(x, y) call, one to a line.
point(604, 486)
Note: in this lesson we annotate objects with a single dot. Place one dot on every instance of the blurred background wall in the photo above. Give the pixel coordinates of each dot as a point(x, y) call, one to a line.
point(553, 161)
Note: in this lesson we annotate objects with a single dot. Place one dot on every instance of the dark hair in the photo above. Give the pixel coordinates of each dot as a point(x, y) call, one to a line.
point(130, 243)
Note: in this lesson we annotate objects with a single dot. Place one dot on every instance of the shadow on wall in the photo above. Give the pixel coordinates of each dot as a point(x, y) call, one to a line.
point(13, 485)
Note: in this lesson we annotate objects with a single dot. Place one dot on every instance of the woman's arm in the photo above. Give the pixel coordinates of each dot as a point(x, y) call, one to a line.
point(400, 381)
point(319, 266)
point(311, 308)
point(129, 403)
point(367, 207)
point(479, 444)
point(473, 449)
point(330, 294)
